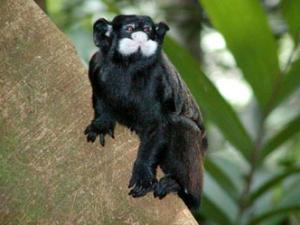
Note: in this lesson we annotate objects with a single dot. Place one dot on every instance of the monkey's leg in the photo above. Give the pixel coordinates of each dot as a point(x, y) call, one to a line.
point(151, 149)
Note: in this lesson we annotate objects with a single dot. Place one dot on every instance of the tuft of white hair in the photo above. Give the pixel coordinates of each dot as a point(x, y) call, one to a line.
point(138, 41)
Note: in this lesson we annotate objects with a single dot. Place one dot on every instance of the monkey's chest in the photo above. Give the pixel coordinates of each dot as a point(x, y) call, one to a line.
point(133, 101)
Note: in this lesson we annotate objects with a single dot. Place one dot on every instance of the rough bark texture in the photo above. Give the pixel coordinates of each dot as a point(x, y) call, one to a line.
point(48, 173)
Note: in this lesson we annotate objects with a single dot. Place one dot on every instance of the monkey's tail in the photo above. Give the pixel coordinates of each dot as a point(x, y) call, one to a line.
point(193, 202)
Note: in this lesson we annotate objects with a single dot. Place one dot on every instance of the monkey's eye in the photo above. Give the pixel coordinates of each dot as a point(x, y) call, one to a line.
point(129, 28)
point(147, 29)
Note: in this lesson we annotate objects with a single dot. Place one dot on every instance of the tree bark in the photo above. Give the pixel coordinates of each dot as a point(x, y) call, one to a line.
point(48, 173)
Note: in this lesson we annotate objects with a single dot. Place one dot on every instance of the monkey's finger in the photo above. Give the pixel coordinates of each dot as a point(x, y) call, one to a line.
point(155, 194)
point(102, 140)
point(87, 130)
point(91, 137)
point(132, 193)
point(142, 192)
point(131, 182)
point(135, 191)
point(136, 188)
point(111, 133)
point(158, 192)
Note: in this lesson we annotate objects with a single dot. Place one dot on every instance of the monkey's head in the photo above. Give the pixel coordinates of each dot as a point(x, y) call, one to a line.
point(129, 35)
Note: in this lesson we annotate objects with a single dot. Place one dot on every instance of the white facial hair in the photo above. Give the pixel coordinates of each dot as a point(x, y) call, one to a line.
point(138, 40)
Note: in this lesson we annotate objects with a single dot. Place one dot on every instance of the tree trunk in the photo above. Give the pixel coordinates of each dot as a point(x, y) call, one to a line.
point(48, 173)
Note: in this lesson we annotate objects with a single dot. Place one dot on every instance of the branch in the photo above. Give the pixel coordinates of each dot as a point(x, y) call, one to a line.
point(49, 174)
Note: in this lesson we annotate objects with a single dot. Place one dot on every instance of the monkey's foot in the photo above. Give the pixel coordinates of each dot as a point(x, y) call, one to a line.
point(165, 186)
point(143, 180)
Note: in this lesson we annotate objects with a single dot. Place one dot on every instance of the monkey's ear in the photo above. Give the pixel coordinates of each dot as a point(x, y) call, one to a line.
point(161, 29)
point(102, 29)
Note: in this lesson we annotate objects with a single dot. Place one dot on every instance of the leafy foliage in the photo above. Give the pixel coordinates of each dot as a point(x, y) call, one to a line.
point(252, 168)
point(245, 27)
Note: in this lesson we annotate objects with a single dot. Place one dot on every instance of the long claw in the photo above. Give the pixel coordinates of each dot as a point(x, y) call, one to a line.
point(87, 130)
point(102, 140)
point(135, 191)
point(91, 137)
point(131, 183)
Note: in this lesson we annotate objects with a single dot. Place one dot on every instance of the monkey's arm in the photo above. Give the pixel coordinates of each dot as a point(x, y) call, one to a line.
point(103, 122)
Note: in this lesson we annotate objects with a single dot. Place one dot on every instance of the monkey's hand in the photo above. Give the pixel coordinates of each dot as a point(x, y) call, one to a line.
point(143, 179)
point(99, 127)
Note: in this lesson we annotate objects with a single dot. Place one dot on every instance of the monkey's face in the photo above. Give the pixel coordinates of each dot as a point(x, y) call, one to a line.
point(137, 35)
point(130, 34)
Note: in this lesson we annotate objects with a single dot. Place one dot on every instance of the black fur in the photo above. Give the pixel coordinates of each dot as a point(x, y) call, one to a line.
point(146, 94)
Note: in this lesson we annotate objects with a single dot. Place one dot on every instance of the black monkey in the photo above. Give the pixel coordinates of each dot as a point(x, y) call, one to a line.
point(136, 85)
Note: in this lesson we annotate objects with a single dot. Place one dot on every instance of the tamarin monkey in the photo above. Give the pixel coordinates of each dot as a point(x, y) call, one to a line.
point(135, 84)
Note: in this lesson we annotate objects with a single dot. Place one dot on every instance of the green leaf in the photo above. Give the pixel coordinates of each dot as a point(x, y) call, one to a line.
point(291, 13)
point(223, 179)
point(210, 100)
point(271, 183)
point(292, 128)
point(284, 210)
point(214, 198)
point(209, 208)
point(246, 31)
point(112, 7)
point(289, 82)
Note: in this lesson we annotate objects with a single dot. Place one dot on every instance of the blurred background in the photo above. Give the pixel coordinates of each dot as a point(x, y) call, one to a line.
point(241, 61)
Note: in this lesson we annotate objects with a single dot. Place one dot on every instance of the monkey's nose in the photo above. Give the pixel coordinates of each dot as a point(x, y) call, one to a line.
point(139, 36)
